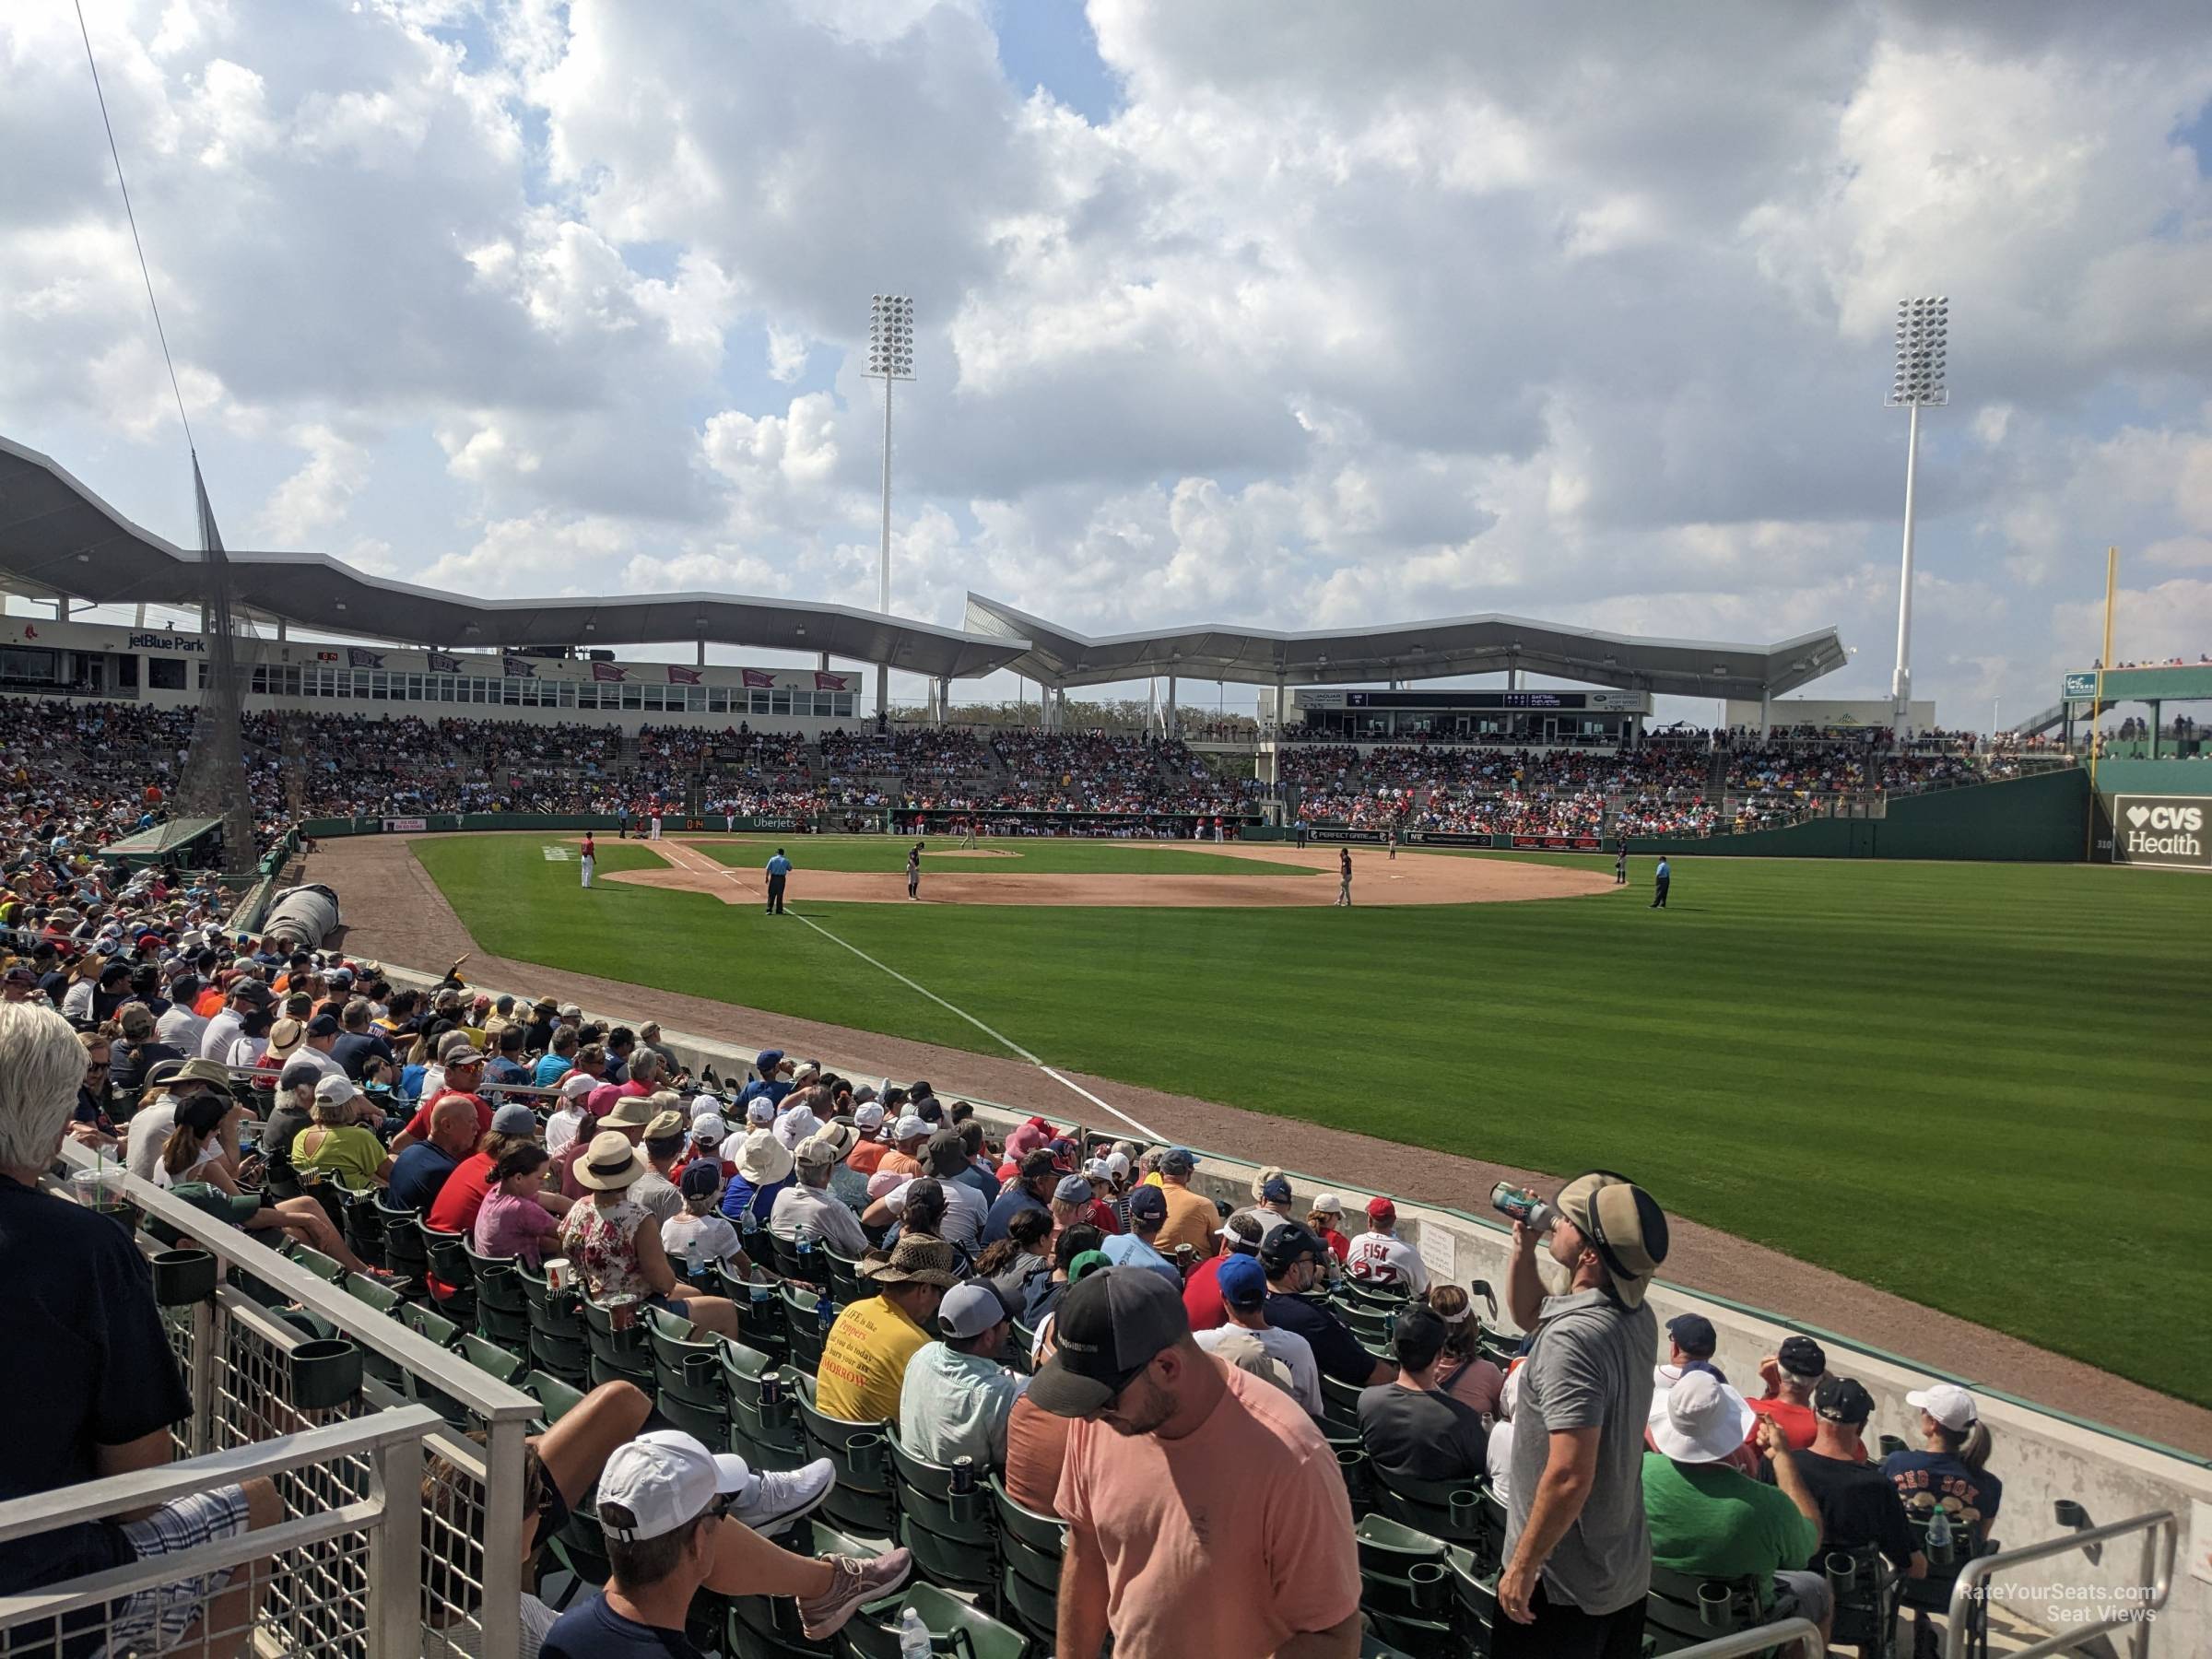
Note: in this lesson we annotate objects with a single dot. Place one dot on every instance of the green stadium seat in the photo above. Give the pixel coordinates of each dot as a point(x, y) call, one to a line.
point(1684, 1609)
point(951, 1534)
point(1449, 1510)
point(1030, 1547)
point(619, 1352)
point(954, 1626)
point(764, 1430)
point(1404, 1586)
point(861, 1501)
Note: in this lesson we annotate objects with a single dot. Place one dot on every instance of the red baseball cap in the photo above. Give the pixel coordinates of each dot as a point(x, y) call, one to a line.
point(1382, 1211)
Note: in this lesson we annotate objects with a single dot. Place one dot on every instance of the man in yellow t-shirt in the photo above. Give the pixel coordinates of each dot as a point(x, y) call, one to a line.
point(864, 1359)
point(1192, 1217)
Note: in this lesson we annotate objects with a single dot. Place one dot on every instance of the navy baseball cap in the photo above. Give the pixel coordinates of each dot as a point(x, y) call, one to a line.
point(1802, 1356)
point(1147, 1203)
point(1694, 1335)
point(700, 1179)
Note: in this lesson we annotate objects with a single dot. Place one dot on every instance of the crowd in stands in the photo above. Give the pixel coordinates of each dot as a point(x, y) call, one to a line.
point(1162, 1370)
point(110, 765)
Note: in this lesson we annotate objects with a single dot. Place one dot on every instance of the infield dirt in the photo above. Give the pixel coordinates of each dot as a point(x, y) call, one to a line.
point(1376, 879)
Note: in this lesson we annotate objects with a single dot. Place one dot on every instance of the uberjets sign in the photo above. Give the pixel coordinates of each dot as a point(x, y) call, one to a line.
point(2172, 832)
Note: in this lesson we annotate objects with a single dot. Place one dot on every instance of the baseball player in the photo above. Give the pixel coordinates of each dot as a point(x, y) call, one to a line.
point(914, 870)
point(590, 853)
point(1344, 877)
point(1620, 860)
point(1393, 840)
point(968, 840)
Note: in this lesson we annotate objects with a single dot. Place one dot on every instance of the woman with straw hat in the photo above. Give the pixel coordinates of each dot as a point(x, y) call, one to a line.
point(615, 1243)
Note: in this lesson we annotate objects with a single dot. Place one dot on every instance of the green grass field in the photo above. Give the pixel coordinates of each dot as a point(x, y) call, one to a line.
point(1983, 1087)
point(887, 853)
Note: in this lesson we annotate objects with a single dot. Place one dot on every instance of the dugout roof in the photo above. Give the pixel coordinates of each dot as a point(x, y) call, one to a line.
point(1482, 645)
point(58, 538)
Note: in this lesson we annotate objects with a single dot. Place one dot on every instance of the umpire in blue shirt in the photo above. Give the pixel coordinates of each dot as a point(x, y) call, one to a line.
point(1660, 877)
point(778, 870)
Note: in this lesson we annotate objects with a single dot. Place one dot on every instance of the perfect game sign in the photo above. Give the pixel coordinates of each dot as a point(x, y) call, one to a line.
point(2168, 831)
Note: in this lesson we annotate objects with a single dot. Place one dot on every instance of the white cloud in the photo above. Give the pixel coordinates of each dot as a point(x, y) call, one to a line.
point(1327, 323)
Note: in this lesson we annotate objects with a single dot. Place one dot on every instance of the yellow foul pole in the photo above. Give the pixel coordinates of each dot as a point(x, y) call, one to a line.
point(2111, 581)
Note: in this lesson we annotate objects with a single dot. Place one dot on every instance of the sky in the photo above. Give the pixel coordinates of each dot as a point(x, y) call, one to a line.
point(1288, 313)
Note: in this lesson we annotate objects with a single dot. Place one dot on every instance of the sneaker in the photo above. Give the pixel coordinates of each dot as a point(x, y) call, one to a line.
point(778, 1499)
point(851, 1584)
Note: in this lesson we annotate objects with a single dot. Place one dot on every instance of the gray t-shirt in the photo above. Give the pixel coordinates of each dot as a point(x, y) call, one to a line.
point(1591, 1367)
point(1421, 1435)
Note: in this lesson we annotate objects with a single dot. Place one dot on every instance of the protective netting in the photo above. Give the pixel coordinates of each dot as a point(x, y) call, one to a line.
point(214, 782)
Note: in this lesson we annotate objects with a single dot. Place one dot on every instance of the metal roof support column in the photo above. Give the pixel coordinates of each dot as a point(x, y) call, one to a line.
point(703, 651)
point(1175, 728)
point(61, 607)
point(1766, 715)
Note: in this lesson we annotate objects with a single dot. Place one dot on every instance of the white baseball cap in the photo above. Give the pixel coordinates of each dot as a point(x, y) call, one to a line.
point(666, 1480)
point(709, 1130)
point(1948, 1403)
point(1329, 1204)
point(909, 1128)
point(969, 1310)
point(760, 1111)
point(335, 1090)
point(576, 1084)
point(868, 1116)
point(1117, 1164)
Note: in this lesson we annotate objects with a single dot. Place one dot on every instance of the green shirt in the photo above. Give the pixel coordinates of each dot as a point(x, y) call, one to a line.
point(351, 1153)
point(1710, 1518)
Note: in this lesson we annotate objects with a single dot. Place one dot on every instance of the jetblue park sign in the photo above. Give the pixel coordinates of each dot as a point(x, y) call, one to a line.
point(2168, 831)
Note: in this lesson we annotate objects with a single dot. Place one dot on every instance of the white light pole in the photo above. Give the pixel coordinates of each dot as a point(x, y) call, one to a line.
point(1923, 327)
point(890, 359)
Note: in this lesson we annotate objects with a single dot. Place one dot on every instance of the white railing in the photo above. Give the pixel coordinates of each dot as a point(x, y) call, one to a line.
point(2135, 1603)
point(344, 1576)
point(1765, 1637)
point(236, 1356)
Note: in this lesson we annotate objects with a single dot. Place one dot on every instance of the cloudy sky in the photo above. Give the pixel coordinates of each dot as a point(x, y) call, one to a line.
point(1293, 313)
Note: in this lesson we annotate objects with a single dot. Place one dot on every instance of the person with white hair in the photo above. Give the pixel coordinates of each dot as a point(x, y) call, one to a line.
point(97, 1388)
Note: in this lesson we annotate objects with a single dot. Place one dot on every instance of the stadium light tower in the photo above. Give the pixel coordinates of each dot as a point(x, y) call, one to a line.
point(1923, 329)
point(890, 358)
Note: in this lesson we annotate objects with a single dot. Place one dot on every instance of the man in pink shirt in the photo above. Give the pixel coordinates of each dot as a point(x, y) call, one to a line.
point(1205, 1511)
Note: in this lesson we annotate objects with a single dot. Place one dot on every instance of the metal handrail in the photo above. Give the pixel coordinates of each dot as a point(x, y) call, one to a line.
point(1758, 1641)
point(402, 1429)
point(484, 1397)
point(2162, 1538)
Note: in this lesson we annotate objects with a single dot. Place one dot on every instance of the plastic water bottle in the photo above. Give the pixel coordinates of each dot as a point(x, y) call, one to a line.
point(1939, 1537)
point(825, 1315)
point(913, 1636)
point(695, 1260)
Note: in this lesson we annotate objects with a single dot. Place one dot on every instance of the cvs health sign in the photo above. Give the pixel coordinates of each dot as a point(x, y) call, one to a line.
point(2172, 831)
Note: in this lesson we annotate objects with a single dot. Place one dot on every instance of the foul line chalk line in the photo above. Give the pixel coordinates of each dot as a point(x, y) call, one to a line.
point(670, 850)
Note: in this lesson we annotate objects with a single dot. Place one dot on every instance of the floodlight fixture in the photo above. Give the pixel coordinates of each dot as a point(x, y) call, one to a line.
point(890, 360)
point(1918, 382)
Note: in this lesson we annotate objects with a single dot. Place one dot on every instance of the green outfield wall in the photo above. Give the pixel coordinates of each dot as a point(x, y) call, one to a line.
point(2038, 819)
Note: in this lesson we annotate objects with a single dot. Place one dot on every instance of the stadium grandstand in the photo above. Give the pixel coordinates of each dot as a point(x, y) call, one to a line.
point(427, 1255)
point(367, 698)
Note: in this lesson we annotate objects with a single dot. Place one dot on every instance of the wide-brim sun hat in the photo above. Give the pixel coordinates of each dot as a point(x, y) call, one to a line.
point(1699, 1420)
point(915, 1260)
point(1623, 1223)
point(763, 1159)
point(609, 1164)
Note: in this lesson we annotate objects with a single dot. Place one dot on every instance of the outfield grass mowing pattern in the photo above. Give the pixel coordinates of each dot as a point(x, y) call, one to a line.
point(1982, 1086)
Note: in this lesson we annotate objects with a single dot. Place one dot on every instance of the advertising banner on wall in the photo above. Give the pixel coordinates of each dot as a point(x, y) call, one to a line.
point(2172, 832)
